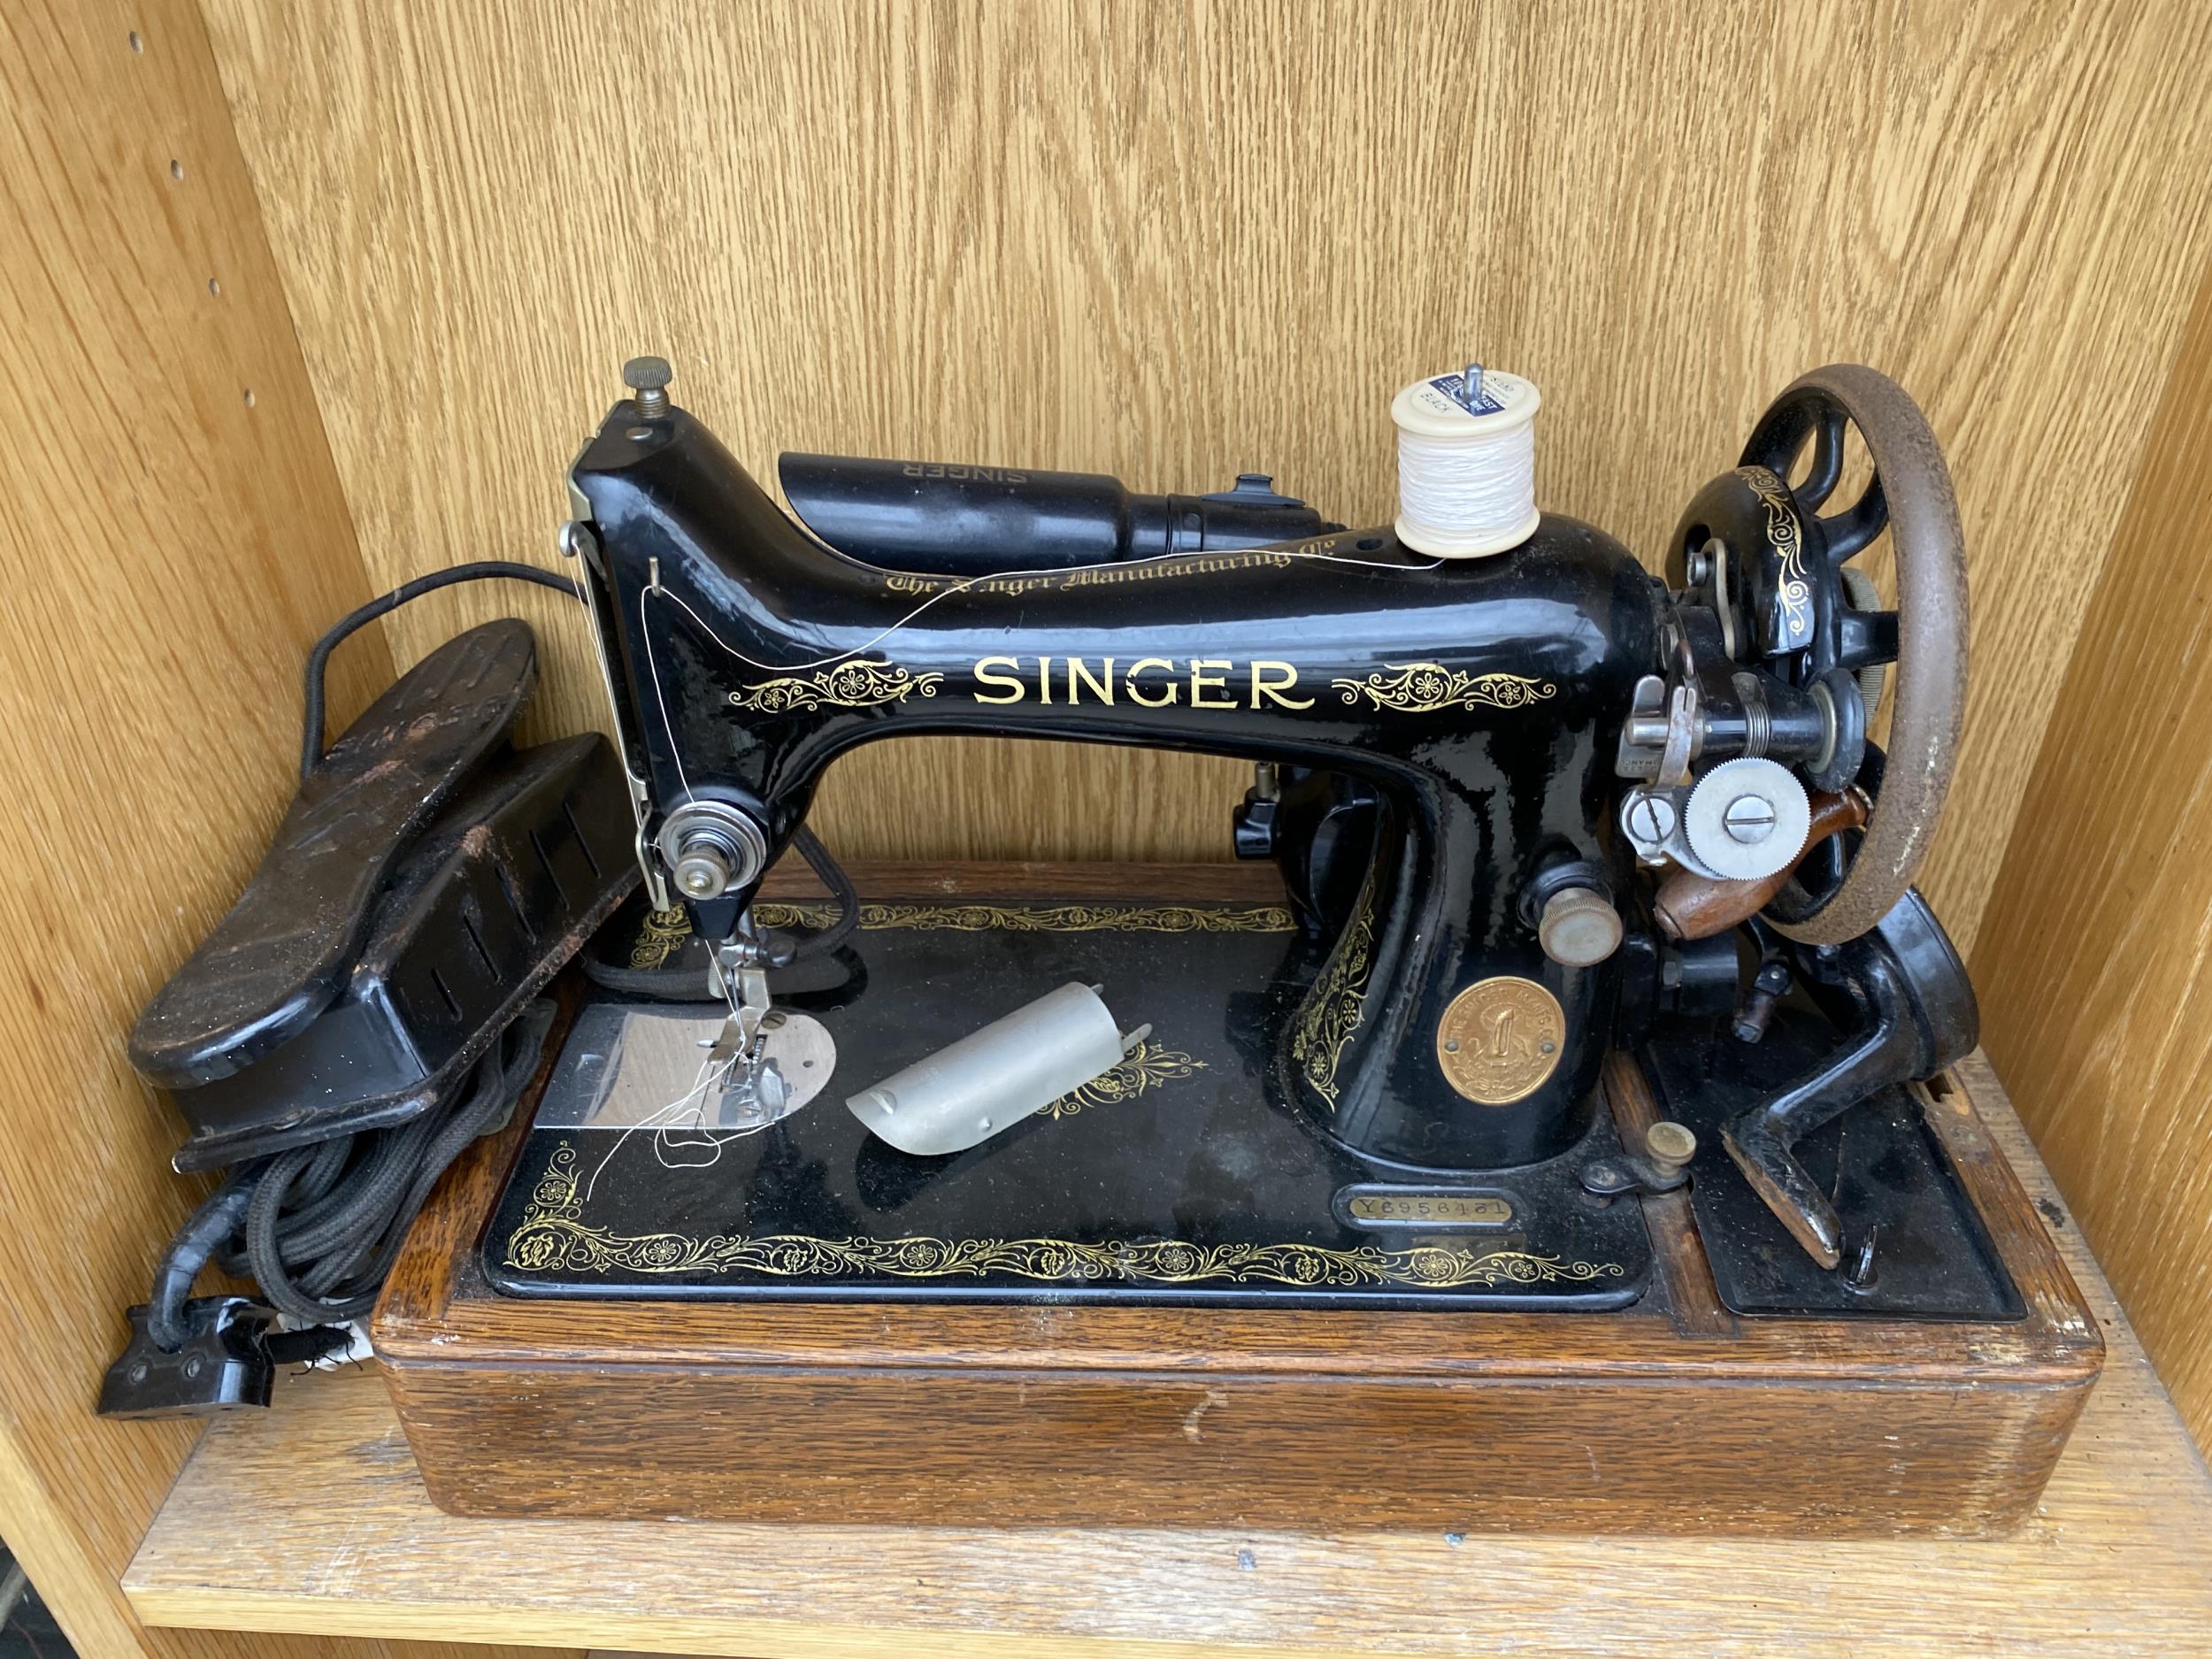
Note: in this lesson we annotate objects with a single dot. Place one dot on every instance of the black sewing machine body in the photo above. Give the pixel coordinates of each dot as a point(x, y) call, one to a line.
point(1442, 750)
point(1478, 700)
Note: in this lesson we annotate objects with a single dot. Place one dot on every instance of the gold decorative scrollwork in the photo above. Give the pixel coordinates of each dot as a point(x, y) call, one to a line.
point(661, 937)
point(554, 1235)
point(1145, 1067)
point(664, 931)
point(1044, 919)
point(1333, 1007)
point(851, 685)
point(1785, 536)
point(1425, 687)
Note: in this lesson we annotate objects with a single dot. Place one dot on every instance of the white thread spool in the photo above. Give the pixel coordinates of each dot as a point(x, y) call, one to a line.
point(1466, 466)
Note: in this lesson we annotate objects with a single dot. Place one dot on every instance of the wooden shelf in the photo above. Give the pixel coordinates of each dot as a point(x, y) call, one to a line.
point(309, 1517)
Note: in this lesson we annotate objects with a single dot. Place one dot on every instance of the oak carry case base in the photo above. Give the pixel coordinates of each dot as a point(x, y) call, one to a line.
point(1670, 1416)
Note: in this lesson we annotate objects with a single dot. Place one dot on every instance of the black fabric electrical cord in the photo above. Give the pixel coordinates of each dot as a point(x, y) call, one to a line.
point(824, 941)
point(219, 1215)
point(319, 1226)
point(318, 658)
point(320, 1255)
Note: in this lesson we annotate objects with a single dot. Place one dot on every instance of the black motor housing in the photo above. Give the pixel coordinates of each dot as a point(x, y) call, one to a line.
point(962, 520)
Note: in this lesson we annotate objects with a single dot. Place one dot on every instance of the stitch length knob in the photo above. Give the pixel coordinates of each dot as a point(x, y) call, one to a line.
point(1579, 928)
point(1747, 819)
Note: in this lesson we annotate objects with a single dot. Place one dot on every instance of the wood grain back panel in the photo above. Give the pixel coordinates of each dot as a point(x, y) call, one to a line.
point(1174, 243)
point(168, 547)
point(2095, 965)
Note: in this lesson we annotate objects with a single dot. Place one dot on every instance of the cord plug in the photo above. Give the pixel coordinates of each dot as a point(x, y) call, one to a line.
point(229, 1359)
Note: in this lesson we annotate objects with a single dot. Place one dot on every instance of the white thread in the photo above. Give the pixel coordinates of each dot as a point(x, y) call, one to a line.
point(1466, 469)
point(662, 1119)
point(1474, 486)
point(660, 695)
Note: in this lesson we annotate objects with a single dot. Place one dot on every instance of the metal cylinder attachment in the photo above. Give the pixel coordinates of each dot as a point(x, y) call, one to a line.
point(991, 1080)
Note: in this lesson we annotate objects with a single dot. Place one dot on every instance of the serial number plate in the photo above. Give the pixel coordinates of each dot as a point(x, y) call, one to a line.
point(1422, 1206)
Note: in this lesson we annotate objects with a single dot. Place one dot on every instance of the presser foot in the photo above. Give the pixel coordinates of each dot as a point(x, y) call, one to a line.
point(748, 1088)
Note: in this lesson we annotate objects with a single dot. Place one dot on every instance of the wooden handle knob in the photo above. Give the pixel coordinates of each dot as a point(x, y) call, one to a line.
point(1691, 906)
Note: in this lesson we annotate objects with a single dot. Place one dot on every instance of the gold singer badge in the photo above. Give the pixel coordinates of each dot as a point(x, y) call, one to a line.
point(1500, 1039)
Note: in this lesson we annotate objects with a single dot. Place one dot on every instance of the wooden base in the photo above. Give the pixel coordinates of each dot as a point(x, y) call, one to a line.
point(1038, 1415)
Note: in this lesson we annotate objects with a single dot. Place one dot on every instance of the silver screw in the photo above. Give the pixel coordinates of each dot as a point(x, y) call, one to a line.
point(1705, 561)
point(1651, 819)
point(1862, 1275)
point(647, 378)
point(1749, 818)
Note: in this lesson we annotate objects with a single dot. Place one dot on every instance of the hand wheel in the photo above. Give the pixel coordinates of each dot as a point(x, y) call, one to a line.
point(1910, 495)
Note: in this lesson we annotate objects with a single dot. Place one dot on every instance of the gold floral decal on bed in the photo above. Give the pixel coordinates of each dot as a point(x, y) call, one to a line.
point(661, 937)
point(662, 933)
point(553, 1235)
point(1425, 687)
point(1044, 919)
point(1148, 1066)
point(848, 686)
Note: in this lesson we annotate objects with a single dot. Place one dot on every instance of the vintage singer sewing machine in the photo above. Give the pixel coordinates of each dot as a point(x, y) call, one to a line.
point(1592, 890)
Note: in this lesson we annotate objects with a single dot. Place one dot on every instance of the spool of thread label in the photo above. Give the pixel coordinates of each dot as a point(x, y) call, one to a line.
point(1454, 387)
